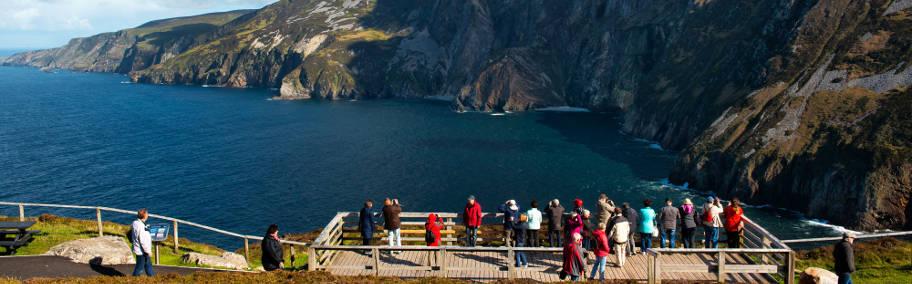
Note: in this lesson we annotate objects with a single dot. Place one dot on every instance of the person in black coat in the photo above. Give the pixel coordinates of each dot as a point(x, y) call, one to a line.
point(633, 218)
point(844, 256)
point(272, 249)
point(366, 223)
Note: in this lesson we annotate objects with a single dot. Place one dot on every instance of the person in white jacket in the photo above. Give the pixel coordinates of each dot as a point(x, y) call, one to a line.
point(619, 235)
point(142, 244)
point(535, 220)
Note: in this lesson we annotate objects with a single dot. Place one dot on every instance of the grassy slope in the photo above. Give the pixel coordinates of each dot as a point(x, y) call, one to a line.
point(882, 261)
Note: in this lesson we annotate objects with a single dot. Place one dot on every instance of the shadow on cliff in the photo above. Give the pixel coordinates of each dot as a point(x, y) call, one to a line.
point(600, 132)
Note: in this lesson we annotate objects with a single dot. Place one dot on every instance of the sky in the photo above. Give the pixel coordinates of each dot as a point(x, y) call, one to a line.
point(34, 24)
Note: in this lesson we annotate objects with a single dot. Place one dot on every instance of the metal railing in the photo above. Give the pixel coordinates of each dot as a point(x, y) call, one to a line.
point(175, 222)
point(864, 236)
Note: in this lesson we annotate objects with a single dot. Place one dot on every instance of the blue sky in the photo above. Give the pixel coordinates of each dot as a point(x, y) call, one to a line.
point(28, 24)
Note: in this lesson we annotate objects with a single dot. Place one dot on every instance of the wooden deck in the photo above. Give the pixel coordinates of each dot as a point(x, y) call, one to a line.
point(543, 266)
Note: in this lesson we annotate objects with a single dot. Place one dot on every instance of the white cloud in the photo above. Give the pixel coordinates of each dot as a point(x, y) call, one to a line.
point(87, 17)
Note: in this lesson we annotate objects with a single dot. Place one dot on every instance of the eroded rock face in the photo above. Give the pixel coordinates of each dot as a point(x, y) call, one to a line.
point(742, 86)
point(226, 260)
point(815, 275)
point(108, 250)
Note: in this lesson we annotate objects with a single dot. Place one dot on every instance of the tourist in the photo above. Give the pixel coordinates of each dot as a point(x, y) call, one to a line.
point(601, 251)
point(587, 229)
point(574, 266)
point(142, 244)
point(520, 227)
point(844, 256)
point(555, 213)
point(366, 223)
point(669, 217)
point(633, 219)
point(688, 223)
point(391, 223)
point(620, 235)
point(471, 218)
point(272, 258)
point(510, 213)
point(535, 220)
point(605, 210)
point(574, 224)
point(734, 224)
point(432, 235)
point(647, 225)
point(711, 222)
point(578, 206)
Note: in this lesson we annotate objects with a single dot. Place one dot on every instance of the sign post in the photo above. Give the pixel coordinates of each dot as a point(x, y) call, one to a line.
point(159, 233)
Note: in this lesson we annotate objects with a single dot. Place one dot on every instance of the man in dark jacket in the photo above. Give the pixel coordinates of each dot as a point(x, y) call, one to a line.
point(844, 256)
point(391, 222)
point(634, 219)
point(366, 222)
point(668, 219)
point(555, 215)
point(272, 249)
point(510, 216)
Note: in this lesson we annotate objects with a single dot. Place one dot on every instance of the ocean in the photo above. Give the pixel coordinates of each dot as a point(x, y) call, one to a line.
point(236, 160)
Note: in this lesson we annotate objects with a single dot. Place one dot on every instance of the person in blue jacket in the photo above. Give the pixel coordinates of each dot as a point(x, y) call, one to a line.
point(647, 225)
point(366, 222)
point(510, 217)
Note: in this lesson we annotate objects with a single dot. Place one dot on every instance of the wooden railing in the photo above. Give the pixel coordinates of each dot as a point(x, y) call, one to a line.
point(174, 221)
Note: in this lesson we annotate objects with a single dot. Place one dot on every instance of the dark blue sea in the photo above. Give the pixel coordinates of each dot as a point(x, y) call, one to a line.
point(236, 160)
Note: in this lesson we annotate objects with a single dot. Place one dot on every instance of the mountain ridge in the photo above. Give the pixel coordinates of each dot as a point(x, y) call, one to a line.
point(735, 85)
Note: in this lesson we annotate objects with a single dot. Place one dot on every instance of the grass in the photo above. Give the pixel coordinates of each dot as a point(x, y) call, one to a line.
point(881, 261)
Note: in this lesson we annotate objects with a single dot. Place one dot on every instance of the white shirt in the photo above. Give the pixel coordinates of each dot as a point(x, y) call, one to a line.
point(535, 219)
point(142, 240)
point(716, 211)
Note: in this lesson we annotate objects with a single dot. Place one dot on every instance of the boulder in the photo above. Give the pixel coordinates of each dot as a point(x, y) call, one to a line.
point(226, 260)
point(108, 250)
point(815, 275)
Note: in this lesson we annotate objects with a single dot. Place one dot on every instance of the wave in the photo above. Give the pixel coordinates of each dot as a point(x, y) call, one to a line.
point(656, 146)
point(126, 82)
point(563, 109)
point(825, 224)
point(498, 114)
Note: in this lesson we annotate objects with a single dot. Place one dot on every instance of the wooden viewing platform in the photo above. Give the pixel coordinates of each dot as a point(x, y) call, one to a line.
point(338, 250)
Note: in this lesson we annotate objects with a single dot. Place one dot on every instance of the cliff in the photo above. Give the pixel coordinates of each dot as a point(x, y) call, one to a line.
point(758, 94)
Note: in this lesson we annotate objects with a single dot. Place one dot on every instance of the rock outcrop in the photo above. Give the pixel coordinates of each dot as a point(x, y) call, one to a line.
point(108, 250)
point(814, 275)
point(754, 92)
point(226, 260)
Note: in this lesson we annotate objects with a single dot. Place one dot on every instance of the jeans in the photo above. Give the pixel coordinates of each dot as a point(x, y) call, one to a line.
point(395, 239)
point(631, 243)
point(845, 278)
point(532, 236)
point(668, 234)
point(471, 236)
point(687, 236)
point(521, 259)
point(554, 237)
point(712, 237)
point(734, 239)
point(143, 263)
point(366, 240)
point(598, 266)
point(645, 241)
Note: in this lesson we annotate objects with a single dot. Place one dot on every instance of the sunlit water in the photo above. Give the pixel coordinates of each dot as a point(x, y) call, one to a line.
point(234, 159)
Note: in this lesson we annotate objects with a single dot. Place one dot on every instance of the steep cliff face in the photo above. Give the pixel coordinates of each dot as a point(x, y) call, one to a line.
point(830, 133)
point(754, 91)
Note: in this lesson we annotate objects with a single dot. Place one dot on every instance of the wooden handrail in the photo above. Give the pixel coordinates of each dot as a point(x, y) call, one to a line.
point(866, 236)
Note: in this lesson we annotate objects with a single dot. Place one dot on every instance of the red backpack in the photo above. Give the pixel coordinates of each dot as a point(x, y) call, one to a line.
point(708, 216)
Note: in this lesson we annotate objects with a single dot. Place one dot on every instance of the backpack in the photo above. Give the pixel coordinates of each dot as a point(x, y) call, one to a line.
point(130, 235)
point(429, 236)
point(708, 216)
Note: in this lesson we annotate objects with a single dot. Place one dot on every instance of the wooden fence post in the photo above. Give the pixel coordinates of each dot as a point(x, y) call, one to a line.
point(21, 212)
point(511, 269)
point(375, 253)
point(442, 262)
point(291, 257)
point(658, 268)
point(720, 273)
point(98, 218)
point(650, 268)
point(312, 259)
point(176, 238)
point(790, 277)
point(246, 249)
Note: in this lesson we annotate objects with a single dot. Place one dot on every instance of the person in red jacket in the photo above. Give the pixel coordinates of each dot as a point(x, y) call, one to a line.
point(432, 227)
point(734, 225)
point(602, 250)
point(471, 218)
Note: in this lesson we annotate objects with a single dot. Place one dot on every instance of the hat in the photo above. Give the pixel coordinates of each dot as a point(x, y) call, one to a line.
point(687, 201)
point(710, 199)
point(848, 235)
point(471, 197)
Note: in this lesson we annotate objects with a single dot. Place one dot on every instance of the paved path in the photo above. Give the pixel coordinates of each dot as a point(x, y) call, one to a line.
point(25, 267)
